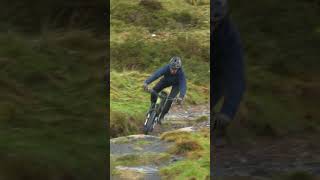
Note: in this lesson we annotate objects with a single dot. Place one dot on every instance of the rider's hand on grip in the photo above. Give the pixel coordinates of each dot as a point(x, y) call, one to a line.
point(145, 87)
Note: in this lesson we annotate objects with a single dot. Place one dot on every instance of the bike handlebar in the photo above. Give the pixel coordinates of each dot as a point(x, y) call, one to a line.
point(150, 90)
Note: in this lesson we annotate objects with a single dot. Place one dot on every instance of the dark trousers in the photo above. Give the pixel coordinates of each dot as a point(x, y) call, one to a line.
point(159, 87)
point(228, 76)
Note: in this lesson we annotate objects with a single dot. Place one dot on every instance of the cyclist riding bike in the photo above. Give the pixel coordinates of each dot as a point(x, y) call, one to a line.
point(172, 76)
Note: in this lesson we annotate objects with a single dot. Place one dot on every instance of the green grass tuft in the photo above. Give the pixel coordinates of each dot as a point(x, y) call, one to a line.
point(196, 149)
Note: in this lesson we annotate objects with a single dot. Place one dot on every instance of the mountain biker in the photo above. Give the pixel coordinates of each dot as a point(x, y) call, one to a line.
point(228, 79)
point(172, 76)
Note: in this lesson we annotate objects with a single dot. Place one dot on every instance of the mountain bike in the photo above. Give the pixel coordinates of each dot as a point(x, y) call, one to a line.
point(155, 111)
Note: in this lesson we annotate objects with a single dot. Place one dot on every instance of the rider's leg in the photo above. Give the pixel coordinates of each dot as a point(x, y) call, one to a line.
point(232, 67)
point(157, 88)
point(174, 92)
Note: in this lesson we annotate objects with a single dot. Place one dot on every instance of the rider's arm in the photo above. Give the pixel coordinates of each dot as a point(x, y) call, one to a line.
point(182, 84)
point(157, 74)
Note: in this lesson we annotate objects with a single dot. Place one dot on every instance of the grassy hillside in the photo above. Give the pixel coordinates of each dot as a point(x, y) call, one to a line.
point(52, 107)
point(144, 35)
point(144, 39)
point(282, 55)
point(36, 15)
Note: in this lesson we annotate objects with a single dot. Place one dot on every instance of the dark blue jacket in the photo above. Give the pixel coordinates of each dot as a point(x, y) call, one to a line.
point(177, 79)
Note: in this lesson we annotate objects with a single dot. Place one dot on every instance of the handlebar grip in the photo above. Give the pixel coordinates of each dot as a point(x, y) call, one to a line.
point(150, 90)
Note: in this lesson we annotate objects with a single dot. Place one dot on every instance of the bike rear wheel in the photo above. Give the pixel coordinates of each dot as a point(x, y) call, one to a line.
point(149, 124)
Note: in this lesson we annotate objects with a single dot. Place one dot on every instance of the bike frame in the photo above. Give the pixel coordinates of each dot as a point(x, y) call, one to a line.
point(162, 99)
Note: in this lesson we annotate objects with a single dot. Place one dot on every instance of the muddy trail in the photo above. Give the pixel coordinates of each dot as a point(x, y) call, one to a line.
point(264, 158)
point(193, 117)
point(142, 156)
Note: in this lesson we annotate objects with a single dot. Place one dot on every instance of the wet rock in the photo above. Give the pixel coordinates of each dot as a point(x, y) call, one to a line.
point(139, 169)
point(187, 129)
point(175, 159)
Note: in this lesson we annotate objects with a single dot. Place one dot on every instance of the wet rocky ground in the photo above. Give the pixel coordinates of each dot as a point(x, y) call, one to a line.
point(264, 158)
point(135, 147)
point(141, 156)
point(194, 117)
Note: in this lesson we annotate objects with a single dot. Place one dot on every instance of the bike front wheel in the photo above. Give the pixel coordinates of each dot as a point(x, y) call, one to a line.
point(149, 124)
